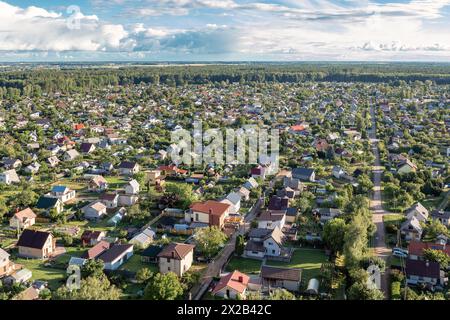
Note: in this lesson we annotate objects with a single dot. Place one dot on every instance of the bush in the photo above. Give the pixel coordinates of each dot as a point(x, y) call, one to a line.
point(391, 228)
point(395, 290)
point(397, 276)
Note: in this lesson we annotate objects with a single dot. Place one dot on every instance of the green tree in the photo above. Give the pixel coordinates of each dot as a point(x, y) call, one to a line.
point(93, 267)
point(91, 288)
point(437, 256)
point(163, 287)
point(209, 240)
point(184, 193)
point(239, 245)
point(281, 294)
point(334, 233)
point(144, 275)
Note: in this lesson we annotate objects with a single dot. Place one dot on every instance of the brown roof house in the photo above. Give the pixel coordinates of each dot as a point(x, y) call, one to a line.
point(176, 257)
point(276, 277)
point(212, 213)
point(23, 219)
point(36, 244)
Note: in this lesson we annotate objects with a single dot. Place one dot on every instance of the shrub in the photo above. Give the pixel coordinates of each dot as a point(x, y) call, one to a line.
point(395, 290)
point(397, 276)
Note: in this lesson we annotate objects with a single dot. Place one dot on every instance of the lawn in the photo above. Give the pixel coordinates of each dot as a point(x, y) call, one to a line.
point(134, 264)
point(55, 277)
point(244, 265)
point(310, 260)
point(115, 182)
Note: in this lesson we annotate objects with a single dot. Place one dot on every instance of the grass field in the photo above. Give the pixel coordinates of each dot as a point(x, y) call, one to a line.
point(310, 260)
point(244, 265)
point(134, 264)
point(54, 277)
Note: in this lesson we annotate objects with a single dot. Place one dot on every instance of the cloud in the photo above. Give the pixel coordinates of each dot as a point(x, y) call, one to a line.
point(35, 28)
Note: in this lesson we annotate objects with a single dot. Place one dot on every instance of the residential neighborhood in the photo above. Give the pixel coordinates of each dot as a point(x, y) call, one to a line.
point(354, 207)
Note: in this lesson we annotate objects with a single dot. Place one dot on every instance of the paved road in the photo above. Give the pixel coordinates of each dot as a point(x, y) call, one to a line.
point(381, 250)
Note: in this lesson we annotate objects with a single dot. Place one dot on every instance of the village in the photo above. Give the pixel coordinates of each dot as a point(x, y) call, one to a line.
point(357, 208)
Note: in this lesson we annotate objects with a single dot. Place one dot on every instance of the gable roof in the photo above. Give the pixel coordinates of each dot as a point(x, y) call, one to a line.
point(416, 247)
point(235, 280)
point(210, 207)
point(96, 250)
point(114, 252)
point(302, 172)
point(290, 274)
point(176, 251)
point(25, 213)
point(46, 202)
point(59, 189)
point(33, 239)
point(127, 165)
point(422, 268)
point(3, 254)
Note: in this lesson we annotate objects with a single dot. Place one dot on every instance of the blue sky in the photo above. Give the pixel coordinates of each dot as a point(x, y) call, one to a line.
point(233, 30)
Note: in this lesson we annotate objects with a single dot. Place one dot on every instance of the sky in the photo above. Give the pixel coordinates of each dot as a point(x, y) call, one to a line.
point(225, 30)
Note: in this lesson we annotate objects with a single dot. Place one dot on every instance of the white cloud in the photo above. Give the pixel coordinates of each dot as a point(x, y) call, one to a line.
point(35, 28)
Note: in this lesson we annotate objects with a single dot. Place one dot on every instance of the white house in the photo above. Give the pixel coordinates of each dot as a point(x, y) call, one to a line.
point(234, 200)
point(63, 193)
point(9, 177)
point(116, 255)
point(272, 218)
point(94, 210)
point(132, 187)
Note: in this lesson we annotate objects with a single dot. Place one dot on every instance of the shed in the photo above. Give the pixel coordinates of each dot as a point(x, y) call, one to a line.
point(313, 286)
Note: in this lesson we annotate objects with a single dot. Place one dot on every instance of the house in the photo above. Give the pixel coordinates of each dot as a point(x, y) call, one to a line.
point(91, 237)
point(416, 248)
point(98, 184)
point(278, 203)
point(326, 214)
point(212, 213)
point(258, 172)
point(172, 170)
point(422, 272)
point(62, 193)
point(110, 200)
point(21, 276)
point(291, 215)
point(276, 277)
point(117, 217)
point(9, 176)
point(53, 161)
point(116, 255)
point(10, 163)
point(132, 187)
point(144, 238)
point(232, 286)
point(251, 183)
point(23, 219)
point(411, 229)
point(48, 203)
point(6, 266)
point(96, 250)
point(406, 167)
point(94, 211)
point(87, 147)
point(264, 243)
point(150, 255)
point(294, 184)
point(304, 174)
point(33, 168)
point(442, 216)
point(127, 199)
point(70, 155)
point(36, 244)
point(234, 200)
point(153, 176)
point(270, 219)
point(244, 193)
point(176, 257)
point(418, 211)
point(128, 168)
point(338, 172)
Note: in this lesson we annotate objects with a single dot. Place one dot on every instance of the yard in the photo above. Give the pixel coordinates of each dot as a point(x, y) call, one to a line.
point(54, 276)
point(244, 265)
point(134, 264)
point(310, 260)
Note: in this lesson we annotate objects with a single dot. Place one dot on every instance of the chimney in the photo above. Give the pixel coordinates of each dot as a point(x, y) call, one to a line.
point(173, 254)
point(241, 279)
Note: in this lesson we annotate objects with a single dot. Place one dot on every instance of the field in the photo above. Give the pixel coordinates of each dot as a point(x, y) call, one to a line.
point(310, 260)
